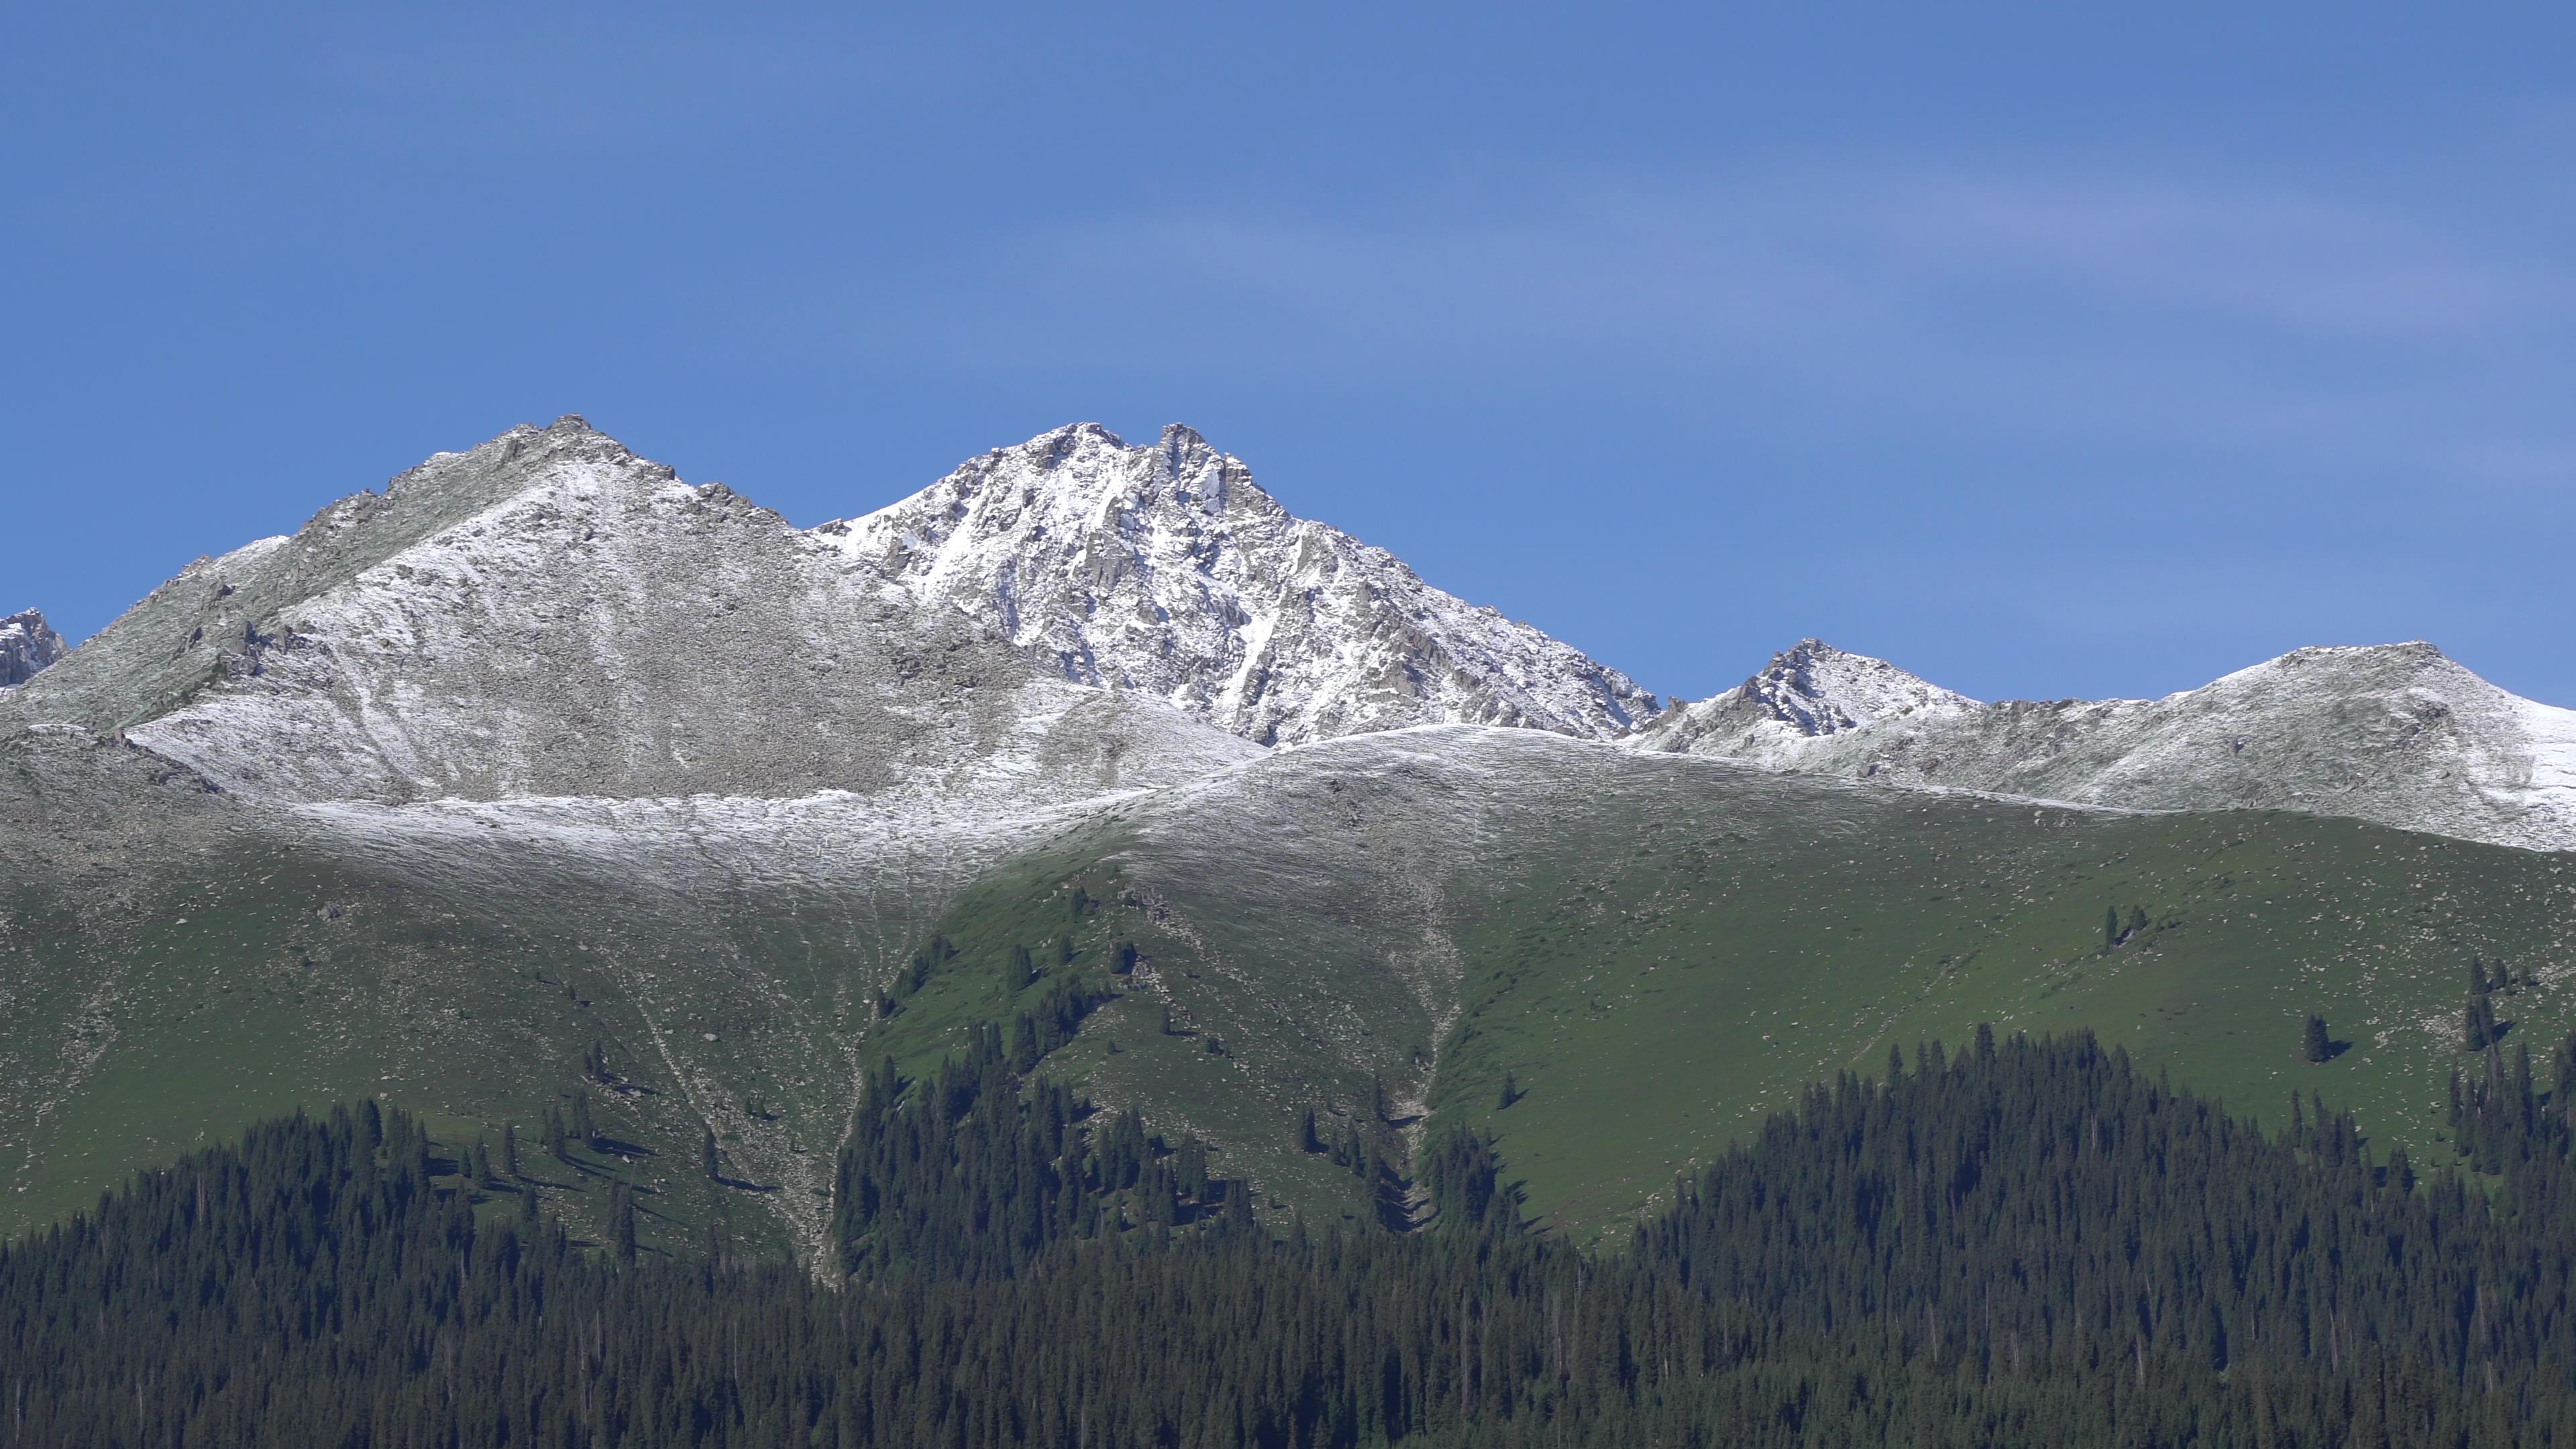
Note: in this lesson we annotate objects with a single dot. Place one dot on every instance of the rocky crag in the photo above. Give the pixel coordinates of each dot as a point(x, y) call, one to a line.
point(27, 646)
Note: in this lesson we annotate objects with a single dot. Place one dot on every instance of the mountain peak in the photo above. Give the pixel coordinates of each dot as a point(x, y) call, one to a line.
point(1167, 570)
point(27, 645)
point(1808, 690)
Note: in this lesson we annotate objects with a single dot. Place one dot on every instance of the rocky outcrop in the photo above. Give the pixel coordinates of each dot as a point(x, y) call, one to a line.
point(549, 615)
point(1808, 690)
point(2397, 734)
point(27, 646)
point(1167, 571)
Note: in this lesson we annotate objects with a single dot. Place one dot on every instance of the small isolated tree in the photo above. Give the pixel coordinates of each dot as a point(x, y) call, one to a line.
point(583, 1130)
point(2137, 920)
point(2110, 927)
point(2478, 1024)
point(1511, 1093)
point(555, 1133)
point(621, 1221)
point(1302, 1137)
point(2318, 1046)
point(510, 1150)
point(478, 1165)
point(709, 1152)
point(1024, 967)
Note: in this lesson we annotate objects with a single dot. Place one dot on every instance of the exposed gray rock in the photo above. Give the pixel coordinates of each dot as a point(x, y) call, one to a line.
point(1166, 570)
point(549, 615)
point(27, 646)
point(2397, 734)
point(1808, 690)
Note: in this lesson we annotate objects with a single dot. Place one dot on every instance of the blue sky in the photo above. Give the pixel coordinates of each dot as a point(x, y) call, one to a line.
point(2044, 354)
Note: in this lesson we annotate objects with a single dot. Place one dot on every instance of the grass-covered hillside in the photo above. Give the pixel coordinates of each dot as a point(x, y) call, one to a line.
point(1381, 931)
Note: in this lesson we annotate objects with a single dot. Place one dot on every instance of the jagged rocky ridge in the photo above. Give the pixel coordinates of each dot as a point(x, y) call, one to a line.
point(548, 615)
point(2395, 734)
point(1165, 569)
point(27, 646)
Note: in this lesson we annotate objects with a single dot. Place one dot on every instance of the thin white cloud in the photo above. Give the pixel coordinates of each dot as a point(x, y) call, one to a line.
point(2225, 314)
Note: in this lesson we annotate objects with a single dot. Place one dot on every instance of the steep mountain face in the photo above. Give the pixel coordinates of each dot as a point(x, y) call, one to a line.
point(27, 645)
point(1166, 570)
point(1809, 690)
point(548, 615)
point(2396, 734)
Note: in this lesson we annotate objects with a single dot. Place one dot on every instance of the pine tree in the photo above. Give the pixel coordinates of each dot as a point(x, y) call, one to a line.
point(621, 1221)
point(1511, 1093)
point(709, 1155)
point(1303, 1136)
point(510, 1151)
point(2478, 1028)
point(2319, 1045)
point(582, 1129)
point(555, 1134)
point(479, 1164)
point(2110, 927)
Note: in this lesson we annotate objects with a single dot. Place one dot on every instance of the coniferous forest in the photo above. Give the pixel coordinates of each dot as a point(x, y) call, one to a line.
point(2027, 1242)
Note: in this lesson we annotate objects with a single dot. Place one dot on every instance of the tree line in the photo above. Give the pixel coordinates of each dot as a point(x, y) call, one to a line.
point(2027, 1242)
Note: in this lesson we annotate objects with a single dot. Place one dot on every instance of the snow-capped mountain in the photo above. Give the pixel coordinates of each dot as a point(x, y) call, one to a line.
point(549, 615)
point(2397, 734)
point(1166, 570)
point(27, 645)
point(1808, 690)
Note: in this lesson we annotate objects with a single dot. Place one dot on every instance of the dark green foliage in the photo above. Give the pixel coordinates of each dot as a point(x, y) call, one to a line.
point(1122, 957)
point(2031, 1244)
point(479, 1164)
point(555, 1134)
point(621, 1221)
point(1511, 1093)
point(964, 1177)
point(707, 1152)
point(1462, 1173)
point(2478, 1023)
point(2315, 1043)
point(1023, 968)
point(584, 1130)
point(2110, 927)
point(510, 1151)
point(1059, 1013)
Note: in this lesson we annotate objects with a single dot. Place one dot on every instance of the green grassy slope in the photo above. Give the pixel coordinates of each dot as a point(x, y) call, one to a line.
point(1657, 949)
point(1660, 952)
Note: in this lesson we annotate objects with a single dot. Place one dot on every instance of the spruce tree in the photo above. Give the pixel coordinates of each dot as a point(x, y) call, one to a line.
point(621, 1221)
point(708, 1154)
point(2110, 927)
point(2319, 1045)
point(510, 1150)
point(555, 1134)
point(583, 1130)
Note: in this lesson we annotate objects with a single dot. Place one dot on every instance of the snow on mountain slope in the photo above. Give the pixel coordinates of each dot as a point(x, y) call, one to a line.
point(2396, 734)
point(28, 645)
point(1166, 570)
point(1808, 690)
point(549, 615)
